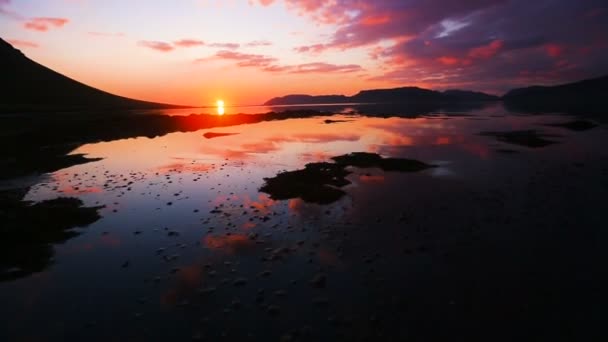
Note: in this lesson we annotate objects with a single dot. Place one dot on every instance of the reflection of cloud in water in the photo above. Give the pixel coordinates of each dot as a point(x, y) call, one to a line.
point(270, 144)
point(371, 178)
point(230, 244)
point(185, 167)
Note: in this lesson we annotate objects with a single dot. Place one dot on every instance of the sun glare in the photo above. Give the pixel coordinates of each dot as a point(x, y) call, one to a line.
point(220, 107)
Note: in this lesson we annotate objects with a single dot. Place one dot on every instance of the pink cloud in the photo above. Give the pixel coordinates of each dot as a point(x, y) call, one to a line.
point(156, 45)
point(188, 43)
point(265, 2)
point(23, 43)
point(43, 24)
point(448, 60)
point(554, 50)
point(478, 44)
point(270, 64)
point(486, 51)
point(245, 59)
point(315, 48)
point(257, 43)
point(231, 46)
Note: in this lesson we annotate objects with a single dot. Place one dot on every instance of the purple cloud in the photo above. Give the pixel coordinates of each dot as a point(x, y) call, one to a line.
point(500, 42)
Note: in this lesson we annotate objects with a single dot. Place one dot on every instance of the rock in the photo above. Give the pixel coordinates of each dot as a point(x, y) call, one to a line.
point(320, 301)
point(240, 282)
point(273, 310)
point(265, 273)
point(318, 280)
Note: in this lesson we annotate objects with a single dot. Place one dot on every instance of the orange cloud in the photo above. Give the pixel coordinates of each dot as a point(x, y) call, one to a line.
point(188, 43)
point(43, 24)
point(447, 60)
point(375, 20)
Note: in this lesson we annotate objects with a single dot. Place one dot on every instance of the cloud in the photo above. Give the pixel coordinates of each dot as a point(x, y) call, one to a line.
point(263, 2)
point(43, 24)
point(270, 64)
point(315, 48)
point(554, 50)
point(257, 43)
point(324, 68)
point(231, 46)
point(156, 45)
point(246, 60)
point(188, 43)
point(4, 11)
point(474, 43)
point(23, 43)
point(486, 51)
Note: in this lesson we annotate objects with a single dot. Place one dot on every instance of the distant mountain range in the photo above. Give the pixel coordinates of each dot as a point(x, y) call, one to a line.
point(583, 96)
point(395, 95)
point(587, 95)
point(28, 85)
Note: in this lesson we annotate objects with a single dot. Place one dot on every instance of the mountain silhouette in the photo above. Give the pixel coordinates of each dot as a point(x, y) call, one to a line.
point(582, 96)
point(28, 85)
point(413, 95)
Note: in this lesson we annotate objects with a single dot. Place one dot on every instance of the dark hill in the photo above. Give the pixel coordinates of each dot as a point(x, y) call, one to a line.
point(307, 99)
point(28, 85)
point(583, 96)
point(413, 95)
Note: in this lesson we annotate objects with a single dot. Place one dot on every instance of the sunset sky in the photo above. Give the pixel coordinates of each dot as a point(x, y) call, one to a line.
point(245, 52)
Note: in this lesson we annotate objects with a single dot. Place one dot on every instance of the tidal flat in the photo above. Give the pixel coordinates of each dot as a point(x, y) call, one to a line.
point(287, 228)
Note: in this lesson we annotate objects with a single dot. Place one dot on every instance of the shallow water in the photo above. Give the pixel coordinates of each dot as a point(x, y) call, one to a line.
point(188, 247)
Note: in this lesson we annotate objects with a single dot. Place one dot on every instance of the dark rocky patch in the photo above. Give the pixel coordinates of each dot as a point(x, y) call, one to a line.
point(506, 151)
point(575, 125)
point(370, 160)
point(29, 230)
point(321, 182)
point(329, 121)
point(527, 138)
point(316, 183)
point(211, 135)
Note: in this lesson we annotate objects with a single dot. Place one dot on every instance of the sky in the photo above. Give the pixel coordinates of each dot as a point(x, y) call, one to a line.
point(247, 51)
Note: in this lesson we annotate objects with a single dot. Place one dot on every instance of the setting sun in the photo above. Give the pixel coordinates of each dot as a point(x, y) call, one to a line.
point(220, 107)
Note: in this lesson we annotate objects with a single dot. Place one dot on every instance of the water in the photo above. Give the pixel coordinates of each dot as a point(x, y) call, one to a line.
point(231, 110)
point(188, 247)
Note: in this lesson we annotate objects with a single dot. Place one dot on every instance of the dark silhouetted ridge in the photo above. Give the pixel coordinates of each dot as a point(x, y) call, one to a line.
point(29, 85)
point(587, 95)
point(307, 99)
point(413, 95)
